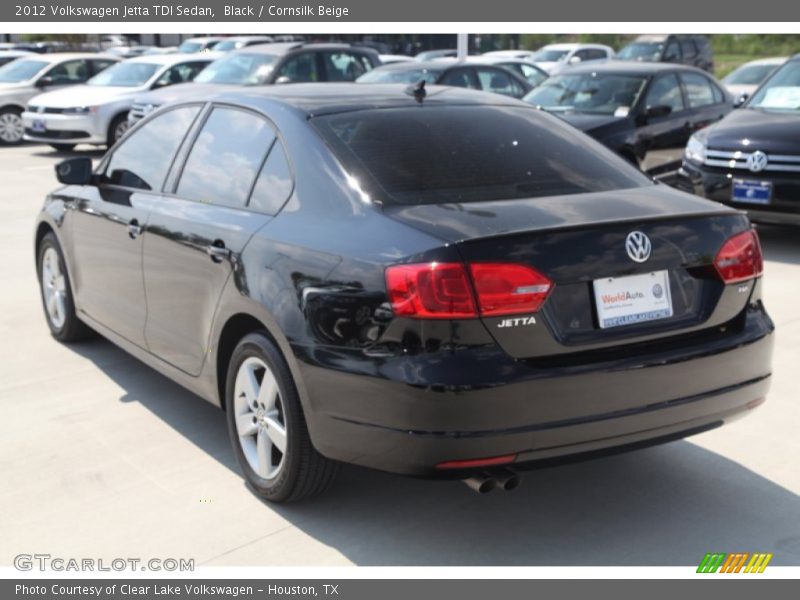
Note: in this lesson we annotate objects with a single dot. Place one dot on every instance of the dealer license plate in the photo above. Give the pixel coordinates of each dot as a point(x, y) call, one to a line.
point(751, 192)
point(632, 299)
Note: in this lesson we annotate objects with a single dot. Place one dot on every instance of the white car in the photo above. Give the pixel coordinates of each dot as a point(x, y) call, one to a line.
point(514, 54)
point(6, 56)
point(555, 57)
point(242, 41)
point(199, 44)
point(97, 112)
point(746, 79)
point(29, 76)
point(388, 59)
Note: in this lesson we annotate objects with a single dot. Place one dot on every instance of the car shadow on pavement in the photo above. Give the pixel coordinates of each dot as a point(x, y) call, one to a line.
point(779, 243)
point(667, 505)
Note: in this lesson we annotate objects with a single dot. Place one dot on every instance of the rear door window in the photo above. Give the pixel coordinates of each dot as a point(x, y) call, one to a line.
point(225, 157)
point(699, 90)
point(665, 91)
point(344, 66)
point(301, 68)
point(499, 82)
point(454, 154)
point(461, 77)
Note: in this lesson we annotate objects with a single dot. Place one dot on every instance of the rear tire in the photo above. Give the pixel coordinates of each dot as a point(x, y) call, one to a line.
point(11, 128)
point(63, 147)
point(267, 426)
point(56, 293)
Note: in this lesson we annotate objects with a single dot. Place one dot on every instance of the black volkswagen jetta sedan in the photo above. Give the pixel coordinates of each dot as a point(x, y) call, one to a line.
point(445, 284)
point(751, 159)
point(645, 112)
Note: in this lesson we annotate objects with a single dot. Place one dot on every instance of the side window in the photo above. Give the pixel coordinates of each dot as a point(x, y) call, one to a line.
point(180, 73)
point(673, 52)
point(584, 54)
point(597, 54)
point(101, 64)
point(495, 80)
point(533, 75)
point(225, 157)
point(688, 48)
point(459, 78)
point(143, 159)
point(299, 68)
point(274, 183)
point(71, 71)
point(698, 90)
point(665, 91)
point(344, 66)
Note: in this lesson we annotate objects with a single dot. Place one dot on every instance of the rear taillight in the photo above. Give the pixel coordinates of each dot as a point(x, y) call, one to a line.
point(430, 291)
point(507, 289)
point(444, 290)
point(740, 258)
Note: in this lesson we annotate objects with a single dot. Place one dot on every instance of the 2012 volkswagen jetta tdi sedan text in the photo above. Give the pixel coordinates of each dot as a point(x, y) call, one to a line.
point(445, 284)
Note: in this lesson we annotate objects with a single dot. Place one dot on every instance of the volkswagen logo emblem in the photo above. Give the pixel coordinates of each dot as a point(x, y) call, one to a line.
point(638, 246)
point(757, 161)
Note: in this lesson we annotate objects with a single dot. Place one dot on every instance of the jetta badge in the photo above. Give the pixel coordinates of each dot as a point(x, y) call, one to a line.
point(638, 246)
point(757, 161)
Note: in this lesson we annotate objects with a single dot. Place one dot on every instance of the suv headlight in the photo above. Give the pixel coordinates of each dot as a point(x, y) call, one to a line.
point(79, 110)
point(696, 148)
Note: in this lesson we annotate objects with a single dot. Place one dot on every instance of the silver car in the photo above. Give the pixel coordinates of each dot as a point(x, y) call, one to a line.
point(97, 112)
point(29, 76)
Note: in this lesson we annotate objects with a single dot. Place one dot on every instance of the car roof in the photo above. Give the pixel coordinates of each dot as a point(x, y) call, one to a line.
point(415, 65)
point(172, 59)
point(54, 57)
point(285, 47)
point(238, 38)
point(561, 46)
point(315, 99)
point(773, 60)
point(209, 38)
point(9, 52)
point(629, 68)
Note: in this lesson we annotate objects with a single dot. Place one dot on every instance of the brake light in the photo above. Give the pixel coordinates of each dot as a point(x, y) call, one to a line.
point(444, 291)
point(506, 289)
point(430, 291)
point(740, 258)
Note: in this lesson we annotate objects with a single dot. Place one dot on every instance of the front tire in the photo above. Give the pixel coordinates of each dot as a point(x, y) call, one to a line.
point(11, 128)
point(59, 306)
point(267, 427)
point(119, 126)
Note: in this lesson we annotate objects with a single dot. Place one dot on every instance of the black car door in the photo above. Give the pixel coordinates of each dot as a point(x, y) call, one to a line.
point(661, 137)
point(196, 233)
point(108, 223)
point(707, 102)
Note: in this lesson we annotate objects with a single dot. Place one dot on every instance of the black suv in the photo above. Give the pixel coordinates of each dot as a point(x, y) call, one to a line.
point(265, 64)
point(692, 50)
point(751, 158)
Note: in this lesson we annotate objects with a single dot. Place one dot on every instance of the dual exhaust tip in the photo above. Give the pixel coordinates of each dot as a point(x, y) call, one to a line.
point(501, 479)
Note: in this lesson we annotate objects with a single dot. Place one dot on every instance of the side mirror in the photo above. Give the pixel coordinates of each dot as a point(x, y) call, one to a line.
point(655, 112)
point(75, 171)
point(574, 60)
point(45, 81)
point(283, 79)
point(739, 102)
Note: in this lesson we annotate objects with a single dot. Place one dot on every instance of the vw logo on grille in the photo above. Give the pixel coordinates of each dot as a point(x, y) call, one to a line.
point(757, 161)
point(638, 246)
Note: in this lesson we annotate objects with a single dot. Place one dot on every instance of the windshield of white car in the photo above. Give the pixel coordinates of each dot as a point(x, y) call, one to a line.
point(125, 74)
point(550, 55)
point(400, 75)
point(647, 51)
point(781, 91)
point(21, 70)
point(238, 69)
point(593, 93)
point(750, 74)
point(190, 47)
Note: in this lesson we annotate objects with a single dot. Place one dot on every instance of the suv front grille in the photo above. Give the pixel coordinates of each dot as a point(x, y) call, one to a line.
point(737, 159)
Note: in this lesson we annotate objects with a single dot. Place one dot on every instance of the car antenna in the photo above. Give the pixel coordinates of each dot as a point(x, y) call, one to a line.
point(417, 90)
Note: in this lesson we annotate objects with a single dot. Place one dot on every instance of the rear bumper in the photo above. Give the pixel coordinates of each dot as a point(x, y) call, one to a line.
point(407, 415)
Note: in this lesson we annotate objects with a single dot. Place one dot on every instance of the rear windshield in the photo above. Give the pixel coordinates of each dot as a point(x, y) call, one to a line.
point(452, 154)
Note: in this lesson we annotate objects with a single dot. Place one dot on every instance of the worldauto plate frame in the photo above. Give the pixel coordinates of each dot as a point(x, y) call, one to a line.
point(632, 299)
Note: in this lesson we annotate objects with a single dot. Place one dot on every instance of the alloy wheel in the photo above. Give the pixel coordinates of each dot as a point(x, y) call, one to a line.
point(260, 418)
point(11, 129)
point(54, 287)
point(120, 130)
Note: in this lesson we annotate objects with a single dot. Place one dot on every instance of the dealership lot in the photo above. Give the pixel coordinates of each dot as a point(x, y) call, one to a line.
point(103, 457)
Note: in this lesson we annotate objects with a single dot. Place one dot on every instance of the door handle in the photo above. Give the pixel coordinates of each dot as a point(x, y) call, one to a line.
point(218, 252)
point(134, 229)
